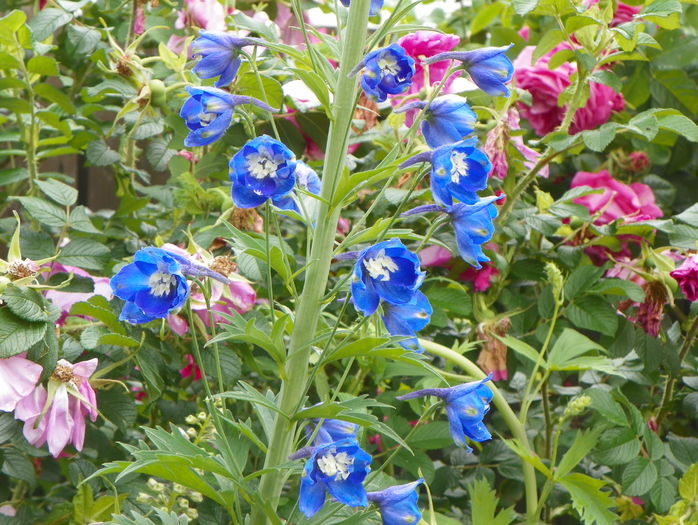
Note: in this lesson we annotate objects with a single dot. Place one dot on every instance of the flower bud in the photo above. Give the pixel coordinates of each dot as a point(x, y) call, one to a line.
point(576, 407)
point(555, 279)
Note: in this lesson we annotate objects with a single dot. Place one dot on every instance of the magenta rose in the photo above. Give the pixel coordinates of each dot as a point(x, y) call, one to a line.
point(632, 203)
point(687, 277)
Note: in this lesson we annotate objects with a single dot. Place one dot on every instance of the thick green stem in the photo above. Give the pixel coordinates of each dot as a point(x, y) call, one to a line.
point(515, 426)
point(310, 302)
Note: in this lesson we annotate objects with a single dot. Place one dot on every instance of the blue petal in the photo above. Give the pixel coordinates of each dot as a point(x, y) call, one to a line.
point(229, 73)
point(407, 319)
point(244, 197)
point(128, 282)
point(134, 315)
point(213, 64)
point(352, 494)
point(364, 295)
point(312, 496)
point(456, 429)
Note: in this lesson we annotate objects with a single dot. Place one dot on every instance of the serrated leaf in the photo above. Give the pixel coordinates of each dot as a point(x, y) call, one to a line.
point(663, 495)
point(159, 153)
point(619, 287)
point(688, 484)
point(43, 65)
point(593, 313)
point(56, 96)
point(639, 477)
point(618, 446)
point(681, 125)
point(47, 21)
point(589, 500)
point(99, 154)
point(58, 191)
point(80, 221)
point(84, 253)
point(18, 335)
point(25, 303)
point(483, 505)
point(604, 404)
point(599, 139)
point(44, 211)
point(118, 407)
point(82, 40)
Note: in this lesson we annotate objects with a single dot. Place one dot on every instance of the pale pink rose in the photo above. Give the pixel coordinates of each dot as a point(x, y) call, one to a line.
point(343, 226)
point(8, 510)
point(435, 256)
point(687, 277)
point(139, 20)
point(204, 14)
point(66, 300)
point(63, 422)
point(632, 203)
point(545, 86)
point(18, 378)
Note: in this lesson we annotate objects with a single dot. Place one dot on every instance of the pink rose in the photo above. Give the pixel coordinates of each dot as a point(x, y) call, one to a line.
point(545, 87)
point(687, 277)
point(66, 300)
point(632, 203)
point(424, 44)
point(64, 420)
point(204, 14)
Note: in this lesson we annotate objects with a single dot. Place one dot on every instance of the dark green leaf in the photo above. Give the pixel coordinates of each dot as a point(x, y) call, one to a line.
point(639, 477)
point(99, 154)
point(25, 303)
point(593, 313)
point(43, 211)
point(59, 192)
point(18, 335)
point(84, 253)
point(47, 21)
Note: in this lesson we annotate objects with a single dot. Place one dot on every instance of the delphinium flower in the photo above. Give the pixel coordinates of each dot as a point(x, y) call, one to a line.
point(489, 68)
point(339, 467)
point(387, 71)
point(19, 377)
point(398, 504)
point(375, 8)
point(448, 119)
point(466, 406)
point(220, 55)
point(57, 416)
point(154, 284)
point(332, 430)
point(208, 113)
point(390, 273)
point(263, 168)
point(458, 171)
point(687, 277)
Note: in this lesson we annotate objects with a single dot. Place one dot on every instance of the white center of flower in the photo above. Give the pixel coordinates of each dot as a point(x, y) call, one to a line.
point(161, 283)
point(206, 118)
point(460, 167)
point(335, 465)
point(381, 266)
point(261, 165)
point(388, 64)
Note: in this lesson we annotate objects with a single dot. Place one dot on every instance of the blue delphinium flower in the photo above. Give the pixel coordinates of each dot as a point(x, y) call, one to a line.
point(262, 169)
point(388, 271)
point(458, 171)
point(474, 227)
point(307, 179)
point(398, 504)
point(448, 119)
point(208, 112)
point(488, 67)
point(339, 467)
point(387, 71)
point(408, 319)
point(152, 285)
point(466, 406)
point(220, 54)
point(375, 8)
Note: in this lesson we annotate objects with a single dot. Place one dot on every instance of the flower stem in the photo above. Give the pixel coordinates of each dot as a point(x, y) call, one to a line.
point(515, 426)
point(310, 302)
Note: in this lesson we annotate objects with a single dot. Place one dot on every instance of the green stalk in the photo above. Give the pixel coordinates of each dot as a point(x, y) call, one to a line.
point(310, 302)
point(515, 426)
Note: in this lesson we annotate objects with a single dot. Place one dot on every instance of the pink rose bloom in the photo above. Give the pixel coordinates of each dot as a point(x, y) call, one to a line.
point(204, 14)
point(632, 203)
point(63, 422)
point(139, 20)
point(65, 300)
point(190, 369)
point(545, 86)
point(624, 12)
point(687, 277)
point(439, 257)
point(19, 377)
point(481, 279)
point(435, 256)
point(424, 44)
point(8, 510)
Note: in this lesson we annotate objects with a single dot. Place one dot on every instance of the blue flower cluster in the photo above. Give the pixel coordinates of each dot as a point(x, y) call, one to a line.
point(466, 406)
point(387, 71)
point(389, 273)
point(337, 464)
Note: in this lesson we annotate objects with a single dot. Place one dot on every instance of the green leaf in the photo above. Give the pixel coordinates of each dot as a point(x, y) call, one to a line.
point(25, 303)
point(583, 443)
point(98, 308)
point(675, 86)
point(43, 211)
point(18, 335)
point(685, 449)
point(58, 191)
point(483, 504)
point(681, 125)
point(663, 495)
point(521, 348)
point(593, 313)
point(118, 407)
point(159, 153)
point(549, 40)
point(273, 94)
point(639, 477)
point(99, 154)
point(78, 284)
point(18, 466)
point(661, 8)
point(581, 279)
point(81, 40)
point(617, 446)
point(485, 16)
point(599, 139)
point(12, 175)
point(16, 105)
point(523, 7)
point(361, 347)
point(607, 78)
point(117, 340)
point(592, 504)
point(569, 346)
point(433, 436)
point(606, 406)
point(47, 21)
point(619, 287)
point(43, 65)
point(85, 253)
point(688, 484)
point(451, 299)
point(53, 94)
point(80, 221)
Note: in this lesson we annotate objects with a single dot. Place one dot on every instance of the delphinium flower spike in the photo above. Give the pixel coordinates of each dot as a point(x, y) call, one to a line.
point(466, 406)
point(220, 55)
point(208, 113)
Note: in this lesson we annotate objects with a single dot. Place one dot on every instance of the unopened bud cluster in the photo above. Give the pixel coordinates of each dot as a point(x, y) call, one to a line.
point(576, 407)
point(556, 279)
point(171, 497)
point(201, 427)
